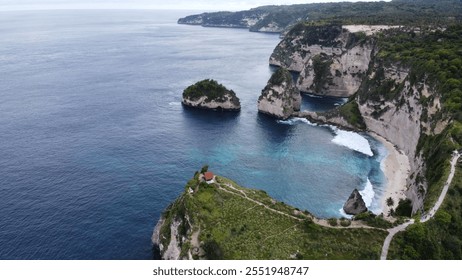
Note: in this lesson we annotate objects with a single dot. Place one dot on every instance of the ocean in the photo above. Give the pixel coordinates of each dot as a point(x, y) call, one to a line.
point(95, 144)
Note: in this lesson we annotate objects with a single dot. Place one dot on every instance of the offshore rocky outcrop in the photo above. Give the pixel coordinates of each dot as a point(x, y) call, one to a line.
point(331, 59)
point(355, 204)
point(209, 94)
point(280, 98)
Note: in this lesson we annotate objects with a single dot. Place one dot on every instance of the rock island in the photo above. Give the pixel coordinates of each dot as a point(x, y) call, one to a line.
point(209, 94)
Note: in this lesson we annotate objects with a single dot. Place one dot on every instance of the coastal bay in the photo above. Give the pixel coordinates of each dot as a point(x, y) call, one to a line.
point(97, 144)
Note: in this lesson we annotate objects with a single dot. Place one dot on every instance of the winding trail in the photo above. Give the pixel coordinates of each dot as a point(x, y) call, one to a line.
point(425, 218)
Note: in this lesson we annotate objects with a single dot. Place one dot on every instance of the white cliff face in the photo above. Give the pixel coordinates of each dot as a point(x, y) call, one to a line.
point(400, 122)
point(369, 29)
point(349, 55)
point(346, 71)
point(278, 103)
point(280, 100)
point(272, 27)
point(173, 250)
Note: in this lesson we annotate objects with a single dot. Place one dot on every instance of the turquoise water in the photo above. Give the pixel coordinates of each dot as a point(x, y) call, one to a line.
point(94, 142)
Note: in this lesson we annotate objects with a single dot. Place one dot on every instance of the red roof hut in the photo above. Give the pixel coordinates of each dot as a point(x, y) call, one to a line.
point(208, 176)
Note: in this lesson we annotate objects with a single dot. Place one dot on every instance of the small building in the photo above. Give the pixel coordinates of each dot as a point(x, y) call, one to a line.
point(208, 176)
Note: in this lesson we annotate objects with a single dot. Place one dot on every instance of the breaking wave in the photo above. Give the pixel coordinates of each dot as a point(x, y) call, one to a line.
point(293, 121)
point(352, 140)
point(349, 139)
point(368, 193)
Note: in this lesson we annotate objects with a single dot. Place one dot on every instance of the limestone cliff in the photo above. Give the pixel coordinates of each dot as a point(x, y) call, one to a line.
point(331, 59)
point(280, 97)
point(208, 94)
point(401, 117)
point(170, 233)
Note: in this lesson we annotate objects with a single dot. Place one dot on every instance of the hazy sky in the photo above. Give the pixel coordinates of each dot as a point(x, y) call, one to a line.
point(149, 4)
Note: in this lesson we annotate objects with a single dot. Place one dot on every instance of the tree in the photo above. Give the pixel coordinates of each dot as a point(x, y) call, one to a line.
point(390, 202)
point(204, 169)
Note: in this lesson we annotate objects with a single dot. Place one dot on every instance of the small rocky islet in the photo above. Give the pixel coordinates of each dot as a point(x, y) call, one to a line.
point(209, 94)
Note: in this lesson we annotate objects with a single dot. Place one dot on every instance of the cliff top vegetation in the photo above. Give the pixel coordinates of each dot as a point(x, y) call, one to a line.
point(280, 76)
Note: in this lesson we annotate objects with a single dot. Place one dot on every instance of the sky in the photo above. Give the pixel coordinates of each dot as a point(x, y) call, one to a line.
point(209, 5)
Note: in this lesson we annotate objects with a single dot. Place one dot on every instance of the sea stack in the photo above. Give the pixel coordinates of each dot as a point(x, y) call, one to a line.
point(209, 94)
point(280, 98)
point(355, 204)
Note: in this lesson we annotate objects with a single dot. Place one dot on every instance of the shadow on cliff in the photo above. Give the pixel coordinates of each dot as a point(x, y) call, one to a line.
point(156, 253)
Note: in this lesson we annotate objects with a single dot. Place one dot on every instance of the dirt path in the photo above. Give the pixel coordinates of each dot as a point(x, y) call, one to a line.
point(427, 216)
point(243, 195)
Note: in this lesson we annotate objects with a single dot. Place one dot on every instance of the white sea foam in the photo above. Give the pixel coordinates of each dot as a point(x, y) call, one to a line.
point(368, 193)
point(353, 141)
point(174, 103)
point(342, 212)
point(293, 121)
point(314, 95)
point(348, 139)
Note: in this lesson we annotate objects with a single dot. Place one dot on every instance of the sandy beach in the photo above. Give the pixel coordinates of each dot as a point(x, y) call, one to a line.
point(396, 169)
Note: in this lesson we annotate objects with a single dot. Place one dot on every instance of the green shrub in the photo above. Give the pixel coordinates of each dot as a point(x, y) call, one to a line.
point(204, 169)
point(345, 222)
point(322, 75)
point(351, 113)
point(333, 222)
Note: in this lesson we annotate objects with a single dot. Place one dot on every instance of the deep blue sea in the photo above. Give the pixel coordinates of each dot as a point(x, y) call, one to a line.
point(94, 142)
